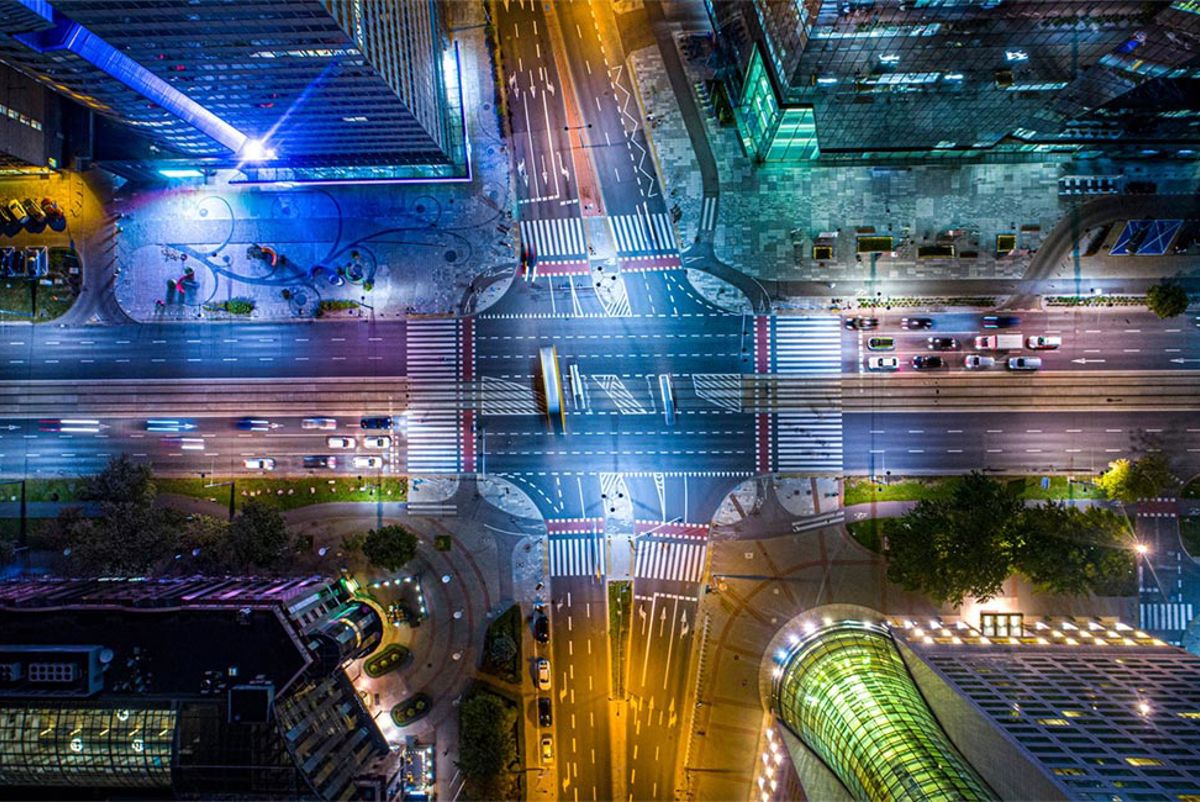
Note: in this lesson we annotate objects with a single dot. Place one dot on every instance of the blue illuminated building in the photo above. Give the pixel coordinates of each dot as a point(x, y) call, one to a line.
point(290, 85)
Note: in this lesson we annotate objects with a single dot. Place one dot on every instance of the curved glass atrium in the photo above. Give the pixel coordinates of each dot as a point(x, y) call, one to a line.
point(846, 693)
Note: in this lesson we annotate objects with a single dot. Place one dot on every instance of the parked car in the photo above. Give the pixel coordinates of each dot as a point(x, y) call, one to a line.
point(543, 674)
point(319, 423)
point(917, 323)
point(338, 441)
point(1024, 363)
point(541, 627)
point(1043, 343)
point(1000, 321)
point(928, 362)
point(862, 323)
point(881, 344)
point(17, 211)
point(942, 343)
point(547, 749)
point(368, 462)
point(51, 209)
point(34, 210)
point(545, 712)
point(883, 363)
point(320, 461)
point(978, 362)
point(377, 442)
point(259, 463)
point(6, 216)
point(376, 422)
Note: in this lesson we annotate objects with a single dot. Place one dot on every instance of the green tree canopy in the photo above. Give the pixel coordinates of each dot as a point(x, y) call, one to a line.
point(259, 538)
point(486, 746)
point(960, 546)
point(1076, 551)
point(390, 547)
point(1167, 299)
point(1129, 481)
point(122, 481)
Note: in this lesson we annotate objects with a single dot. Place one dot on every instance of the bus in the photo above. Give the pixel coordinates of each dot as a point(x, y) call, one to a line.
point(552, 385)
point(668, 398)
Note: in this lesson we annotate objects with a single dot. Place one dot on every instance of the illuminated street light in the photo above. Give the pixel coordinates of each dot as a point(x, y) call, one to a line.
point(256, 150)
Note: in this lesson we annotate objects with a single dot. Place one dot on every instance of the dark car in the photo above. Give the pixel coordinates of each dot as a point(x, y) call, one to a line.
point(917, 323)
point(862, 323)
point(376, 422)
point(545, 714)
point(320, 462)
point(943, 343)
point(541, 627)
point(1000, 321)
point(34, 210)
point(928, 362)
point(254, 425)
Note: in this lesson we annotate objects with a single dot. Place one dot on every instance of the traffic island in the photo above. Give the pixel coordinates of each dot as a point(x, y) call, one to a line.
point(502, 646)
point(620, 608)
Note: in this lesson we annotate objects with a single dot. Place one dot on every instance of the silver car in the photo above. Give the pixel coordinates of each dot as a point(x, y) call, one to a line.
point(1024, 363)
point(978, 362)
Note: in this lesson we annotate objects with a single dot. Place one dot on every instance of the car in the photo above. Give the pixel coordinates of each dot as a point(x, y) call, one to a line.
point(978, 362)
point(377, 442)
point(928, 362)
point(881, 344)
point(368, 462)
point(376, 422)
point(942, 343)
point(325, 424)
point(6, 216)
point(543, 674)
point(545, 713)
point(170, 425)
point(547, 748)
point(17, 211)
point(254, 425)
point(1024, 363)
point(541, 628)
point(338, 441)
point(51, 208)
point(259, 463)
point(862, 323)
point(1043, 343)
point(70, 426)
point(34, 210)
point(883, 363)
point(917, 323)
point(1000, 321)
point(185, 443)
point(320, 461)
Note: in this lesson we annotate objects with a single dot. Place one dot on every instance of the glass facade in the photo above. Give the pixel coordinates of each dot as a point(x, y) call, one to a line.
point(86, 746)
point(846, 693)
point(771, 133)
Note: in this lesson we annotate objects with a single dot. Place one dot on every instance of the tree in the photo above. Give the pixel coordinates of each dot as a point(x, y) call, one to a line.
point(486, 746)
point(960, 546)
point(121, 481)
point(390, 547)
point(204, 543)
point(503, 650)
point(259, 538)
point(1167, 299)
point(1076, 551)
point(1128, 481)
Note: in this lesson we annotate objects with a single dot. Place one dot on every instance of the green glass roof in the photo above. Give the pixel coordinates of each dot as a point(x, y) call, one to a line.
point(846, 693)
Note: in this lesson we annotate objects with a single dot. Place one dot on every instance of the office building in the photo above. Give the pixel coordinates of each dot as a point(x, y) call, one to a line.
point(1003, 708)
point(881, 79)
point(192, 688)
point(277, 84)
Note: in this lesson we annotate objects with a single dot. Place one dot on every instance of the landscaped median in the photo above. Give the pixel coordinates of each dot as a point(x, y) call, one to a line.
point(620, 610)
point(861, 490)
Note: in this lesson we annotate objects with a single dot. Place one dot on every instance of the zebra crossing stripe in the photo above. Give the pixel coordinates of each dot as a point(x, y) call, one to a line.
point(432, 509)
point(808, 422)
point(708, 213)
point(555, 237)
point(432, 354)
point(639, 233)
point(1173, 617)
point(577, 556)
point(670, 560)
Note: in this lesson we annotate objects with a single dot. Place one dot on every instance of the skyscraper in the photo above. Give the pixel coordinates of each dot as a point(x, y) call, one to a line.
point(303, 83)
point(920, 78)
point(1057, 708)
point(201, 687)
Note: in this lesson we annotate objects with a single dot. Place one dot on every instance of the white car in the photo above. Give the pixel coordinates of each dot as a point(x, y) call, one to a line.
point(377, 442)
point(318, 423)
point(543, 674)
point(259, 463)
point(341, 442)
point(368, 462)
point(883, 363)
point(1024, 363)
point(1043, 343)
point(978, 362)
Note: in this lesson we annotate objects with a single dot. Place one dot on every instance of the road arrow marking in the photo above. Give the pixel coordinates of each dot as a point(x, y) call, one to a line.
point(1086, 361)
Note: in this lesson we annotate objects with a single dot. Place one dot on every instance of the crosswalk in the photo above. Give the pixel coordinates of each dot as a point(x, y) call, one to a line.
point(555, 237)
point(808, 423)
point(433, 387)
point(640, 233)
point(1173, 617)
point(577, 556)
point(708, 213)
point(672, 560)
point(506, 397)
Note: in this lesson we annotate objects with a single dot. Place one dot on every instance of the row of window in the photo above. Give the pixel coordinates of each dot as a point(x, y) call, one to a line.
point(23, 119)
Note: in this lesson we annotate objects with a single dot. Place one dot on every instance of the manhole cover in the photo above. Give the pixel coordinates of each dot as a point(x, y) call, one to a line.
point(204, 212)
point(451, 256)
point(420, 207)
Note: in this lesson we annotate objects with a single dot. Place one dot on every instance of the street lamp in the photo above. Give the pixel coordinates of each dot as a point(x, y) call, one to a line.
point(232, 483)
